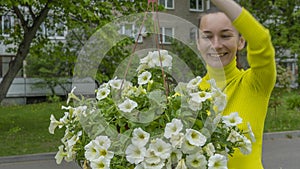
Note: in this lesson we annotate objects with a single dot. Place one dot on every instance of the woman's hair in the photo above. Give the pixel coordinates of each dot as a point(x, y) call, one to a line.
point(212, 10)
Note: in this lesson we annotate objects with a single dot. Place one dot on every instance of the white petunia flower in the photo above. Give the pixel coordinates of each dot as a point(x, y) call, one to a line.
point(176, 156)
point(104, 85)
point(115, 83)
point(151, 158)
point(194, 83)
point(53, 124)
point(91, 151)
point(64, 119)
point(173, 128)
point(217, 161)
point(135, 154)
point(100, 163)
point(196, 161)
point(139, 166)
point(195, 137)
point(60, 154)
point(232, 119)
point(177, 140)
point(234, 136)
point(159, 165)
point(149, 60)
point(252, 136)
point(245, 145)
point(103, 141)
point(127, 106)
point(200, 97)
point(161, 148)
point(194, 105)
point(188, 148)
point(71, 142)
point(181, 165)
point(103, 152)
point(162, 58)
point(220, 101)
point(210, 149)
point(71, 95)
point(144, 78)
point(140, 137)
point(71, 154)
point(102, 93)
point(80, 110)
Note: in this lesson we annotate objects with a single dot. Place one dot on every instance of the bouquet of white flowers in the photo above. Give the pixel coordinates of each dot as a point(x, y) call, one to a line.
point(146, 123)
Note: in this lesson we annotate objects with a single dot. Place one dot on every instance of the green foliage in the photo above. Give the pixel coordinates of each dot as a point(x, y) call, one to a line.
point(284, 77)
point(280, 117)
point(81, 17)
point(189, 56)
point(293, 102)
point(281, 17)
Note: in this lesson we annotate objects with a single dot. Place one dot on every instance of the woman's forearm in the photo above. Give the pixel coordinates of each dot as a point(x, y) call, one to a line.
point(229, 7)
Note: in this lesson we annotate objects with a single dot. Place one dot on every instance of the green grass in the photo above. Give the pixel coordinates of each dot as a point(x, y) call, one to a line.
point(24, 128)
point(280, 116)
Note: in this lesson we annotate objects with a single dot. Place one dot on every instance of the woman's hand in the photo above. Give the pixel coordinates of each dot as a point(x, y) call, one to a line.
point(229, 7)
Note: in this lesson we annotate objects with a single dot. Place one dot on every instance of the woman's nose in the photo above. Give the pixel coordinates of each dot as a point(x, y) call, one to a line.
point(216, 43)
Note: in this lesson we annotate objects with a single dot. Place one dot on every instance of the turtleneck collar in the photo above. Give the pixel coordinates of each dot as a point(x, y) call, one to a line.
point(223, 75)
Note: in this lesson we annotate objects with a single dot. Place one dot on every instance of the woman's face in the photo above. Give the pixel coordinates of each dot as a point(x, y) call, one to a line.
point(219, 40)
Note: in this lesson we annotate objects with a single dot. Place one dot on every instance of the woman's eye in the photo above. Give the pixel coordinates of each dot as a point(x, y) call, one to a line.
point(206, 37)
point(226, 36)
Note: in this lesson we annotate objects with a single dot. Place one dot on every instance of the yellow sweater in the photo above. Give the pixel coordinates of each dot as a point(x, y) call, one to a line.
point(248, 92)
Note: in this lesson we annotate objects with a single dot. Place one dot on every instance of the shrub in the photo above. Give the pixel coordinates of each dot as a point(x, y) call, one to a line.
point(293, 102)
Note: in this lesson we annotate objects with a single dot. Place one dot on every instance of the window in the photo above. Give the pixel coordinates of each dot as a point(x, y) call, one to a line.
point(6, 24)
point(168, 4)
point(59, 31)
point(132, 31)
point(166, 35)
point(197, 5)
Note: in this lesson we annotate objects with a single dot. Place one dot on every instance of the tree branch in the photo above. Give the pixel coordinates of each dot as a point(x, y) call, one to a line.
point(31, 11)
point(21, 17)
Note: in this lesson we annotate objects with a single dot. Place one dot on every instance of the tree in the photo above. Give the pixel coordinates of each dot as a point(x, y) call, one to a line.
point(281, 17)
point(86, 15)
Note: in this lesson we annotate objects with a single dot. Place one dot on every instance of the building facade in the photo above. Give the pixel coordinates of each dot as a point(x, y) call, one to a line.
point(180, 21)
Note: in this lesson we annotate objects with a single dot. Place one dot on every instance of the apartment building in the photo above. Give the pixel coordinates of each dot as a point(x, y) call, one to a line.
point(179, 20)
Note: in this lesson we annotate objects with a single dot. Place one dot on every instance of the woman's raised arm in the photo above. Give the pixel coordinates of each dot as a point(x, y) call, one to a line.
point(229, 7)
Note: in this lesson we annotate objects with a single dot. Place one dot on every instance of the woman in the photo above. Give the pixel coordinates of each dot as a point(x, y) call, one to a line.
point(248, 92)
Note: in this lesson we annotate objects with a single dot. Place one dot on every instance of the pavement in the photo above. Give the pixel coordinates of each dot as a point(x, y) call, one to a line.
point(281, 150)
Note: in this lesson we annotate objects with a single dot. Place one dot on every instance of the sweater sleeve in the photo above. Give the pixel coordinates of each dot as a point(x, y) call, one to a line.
point(260, 52)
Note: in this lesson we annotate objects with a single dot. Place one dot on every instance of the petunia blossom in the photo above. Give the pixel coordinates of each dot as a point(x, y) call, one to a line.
point(232, 119)
point(144, 78)
point(140, 137)
point(196, 161)
point(102, 93)
point(127, 106)
point(173, 128)
point(217, 161)
point(161, 148)
point(135, 154)
point(195, 137)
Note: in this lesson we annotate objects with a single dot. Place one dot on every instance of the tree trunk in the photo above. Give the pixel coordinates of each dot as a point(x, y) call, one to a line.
point(15, 66)
point(23, 49)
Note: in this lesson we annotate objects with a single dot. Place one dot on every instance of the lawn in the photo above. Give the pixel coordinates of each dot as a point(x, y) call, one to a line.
point(284, 112)
point(24, 128)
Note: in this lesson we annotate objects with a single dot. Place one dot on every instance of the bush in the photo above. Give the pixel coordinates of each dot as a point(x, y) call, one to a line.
point(293, 102)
